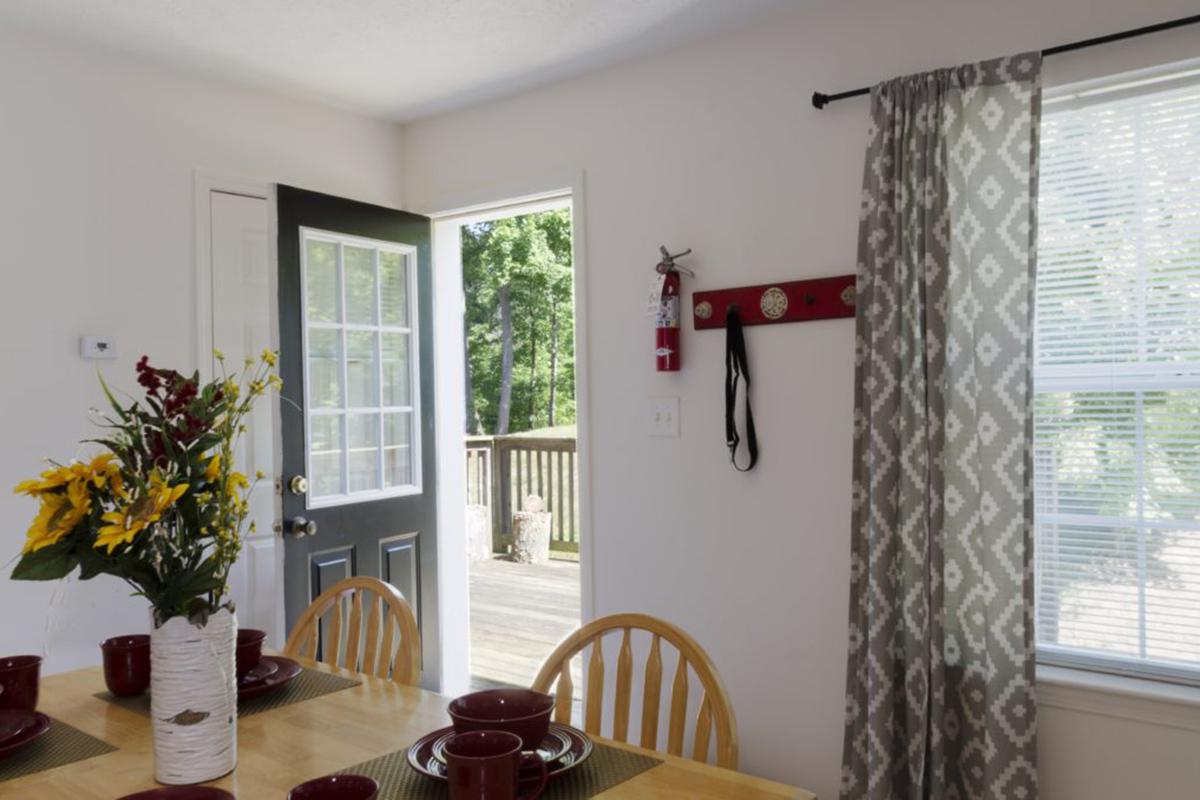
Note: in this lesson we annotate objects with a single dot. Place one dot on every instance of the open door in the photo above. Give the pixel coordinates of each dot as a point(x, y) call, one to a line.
point(356, 358)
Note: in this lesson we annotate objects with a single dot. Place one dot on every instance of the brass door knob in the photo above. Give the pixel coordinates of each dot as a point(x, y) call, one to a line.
point(298, 484)
point(301, 527)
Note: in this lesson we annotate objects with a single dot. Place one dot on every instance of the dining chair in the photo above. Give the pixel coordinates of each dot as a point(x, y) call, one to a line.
point(385, 613)
point(715, 711)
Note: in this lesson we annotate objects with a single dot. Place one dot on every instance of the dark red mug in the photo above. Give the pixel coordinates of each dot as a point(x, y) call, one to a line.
point(126, 664)
point(486, 765)
point(521, 711)
point(19, 682)
point(249, 649)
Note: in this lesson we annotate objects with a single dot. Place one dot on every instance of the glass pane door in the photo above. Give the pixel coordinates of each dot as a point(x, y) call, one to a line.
point(359, 337)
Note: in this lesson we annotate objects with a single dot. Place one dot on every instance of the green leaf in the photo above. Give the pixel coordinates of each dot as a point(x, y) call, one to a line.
point(48, 564)
point(112, 401)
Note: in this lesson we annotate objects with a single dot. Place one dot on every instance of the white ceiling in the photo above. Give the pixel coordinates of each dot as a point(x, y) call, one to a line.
point(399, 59)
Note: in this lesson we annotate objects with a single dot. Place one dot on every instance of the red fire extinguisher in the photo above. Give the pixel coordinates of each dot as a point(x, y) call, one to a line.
point(667, 320)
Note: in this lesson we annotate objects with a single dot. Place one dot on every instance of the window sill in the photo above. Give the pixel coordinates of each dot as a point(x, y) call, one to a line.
point(1151, 702)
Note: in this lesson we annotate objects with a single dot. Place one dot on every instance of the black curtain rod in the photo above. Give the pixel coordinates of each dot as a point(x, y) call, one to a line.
point(820, 99)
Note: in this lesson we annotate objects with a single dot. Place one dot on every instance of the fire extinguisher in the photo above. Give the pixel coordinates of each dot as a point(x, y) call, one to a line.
point(667, 320)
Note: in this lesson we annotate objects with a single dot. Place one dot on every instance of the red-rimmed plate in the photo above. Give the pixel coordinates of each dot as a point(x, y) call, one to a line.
point(286, 672)
point(263, 670)
point(421, 754)
point(19, 728)
point(181, 793)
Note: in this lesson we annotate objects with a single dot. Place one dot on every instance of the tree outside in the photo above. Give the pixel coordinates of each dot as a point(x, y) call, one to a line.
point(520, 323)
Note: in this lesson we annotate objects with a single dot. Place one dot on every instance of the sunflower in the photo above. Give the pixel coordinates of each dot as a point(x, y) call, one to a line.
point(100, 472)
point(125, 523)
point(58, 516)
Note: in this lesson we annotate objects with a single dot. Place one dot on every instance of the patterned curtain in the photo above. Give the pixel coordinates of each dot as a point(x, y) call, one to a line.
point(940, 679)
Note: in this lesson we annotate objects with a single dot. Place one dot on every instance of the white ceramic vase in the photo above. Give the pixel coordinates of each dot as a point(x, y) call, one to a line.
point(193, 699)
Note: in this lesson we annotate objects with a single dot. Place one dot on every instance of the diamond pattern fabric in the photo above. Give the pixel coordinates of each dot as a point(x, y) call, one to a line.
point(940, 678)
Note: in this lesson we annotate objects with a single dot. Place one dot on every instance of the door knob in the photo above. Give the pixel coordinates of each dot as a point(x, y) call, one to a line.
point(301, 527)
point(298, 484)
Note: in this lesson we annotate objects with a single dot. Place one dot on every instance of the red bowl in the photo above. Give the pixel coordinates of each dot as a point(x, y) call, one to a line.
point(521, 711)
point(336, 787)
point(126, 664)
point(249, 649)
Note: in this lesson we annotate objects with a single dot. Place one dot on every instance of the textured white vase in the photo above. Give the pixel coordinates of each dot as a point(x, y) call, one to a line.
point(193, 699)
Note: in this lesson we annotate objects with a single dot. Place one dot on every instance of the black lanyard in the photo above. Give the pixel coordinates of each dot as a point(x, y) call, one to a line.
point(736, 366)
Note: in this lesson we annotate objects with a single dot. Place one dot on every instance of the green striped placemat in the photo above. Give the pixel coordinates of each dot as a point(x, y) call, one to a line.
point(60, 745)
point(308, 684)
point(604, 769)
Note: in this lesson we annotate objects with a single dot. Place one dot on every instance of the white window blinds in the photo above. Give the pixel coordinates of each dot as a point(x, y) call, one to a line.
point(1117, 382)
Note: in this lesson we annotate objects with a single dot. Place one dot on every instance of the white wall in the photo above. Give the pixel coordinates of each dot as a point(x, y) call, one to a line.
point(97, 154)
point(716, 147)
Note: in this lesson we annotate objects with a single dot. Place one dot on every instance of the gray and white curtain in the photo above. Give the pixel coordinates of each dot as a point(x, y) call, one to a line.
point(940, 683)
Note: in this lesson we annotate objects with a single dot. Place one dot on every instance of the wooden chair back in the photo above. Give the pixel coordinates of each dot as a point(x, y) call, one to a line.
point(715, 711)
point(390, 643)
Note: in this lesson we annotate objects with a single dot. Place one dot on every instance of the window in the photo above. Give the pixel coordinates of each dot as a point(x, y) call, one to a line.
point(360, 368)
point(1117, 380)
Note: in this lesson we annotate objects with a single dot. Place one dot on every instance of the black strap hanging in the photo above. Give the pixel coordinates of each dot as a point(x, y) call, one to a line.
point(737, 366)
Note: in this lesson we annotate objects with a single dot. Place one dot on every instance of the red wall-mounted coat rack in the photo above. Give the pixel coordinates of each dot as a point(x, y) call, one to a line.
point(789, 301)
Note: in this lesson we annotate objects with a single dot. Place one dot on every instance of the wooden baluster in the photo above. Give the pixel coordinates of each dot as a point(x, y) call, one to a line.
point(624, 681)
point(564, 695)
point(595, 691)
point(310, 645)
point(351, 659)
point(385, 655)
point(334, 645)
point(370, 653)
point(703, 728)
point(679, 693)
point(571, 495)
point(651, 694)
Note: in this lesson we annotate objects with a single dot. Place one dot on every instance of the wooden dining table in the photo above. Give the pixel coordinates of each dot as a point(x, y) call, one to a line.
point(285, 746)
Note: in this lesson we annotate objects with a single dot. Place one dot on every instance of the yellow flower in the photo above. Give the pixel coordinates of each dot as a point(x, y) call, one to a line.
point(51, 480)
point(275, 382)
point(58, 516)
point(220, 356)
point(256, 388)
point(235, 481)
point(270, 357)
point(126, 523)
point(214, 468)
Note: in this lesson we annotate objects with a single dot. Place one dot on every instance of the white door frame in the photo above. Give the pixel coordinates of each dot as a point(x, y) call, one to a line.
point(450, 396)
point(263, 551)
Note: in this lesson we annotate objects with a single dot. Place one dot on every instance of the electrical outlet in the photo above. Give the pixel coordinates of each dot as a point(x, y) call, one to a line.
point(664, 416)
point(97, 347)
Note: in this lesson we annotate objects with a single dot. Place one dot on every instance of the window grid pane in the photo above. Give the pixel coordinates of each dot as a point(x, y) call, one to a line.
point(1117, 380)
point(358, 371)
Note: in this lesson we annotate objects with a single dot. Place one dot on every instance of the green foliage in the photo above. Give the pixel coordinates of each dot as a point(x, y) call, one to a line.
point(531, 256)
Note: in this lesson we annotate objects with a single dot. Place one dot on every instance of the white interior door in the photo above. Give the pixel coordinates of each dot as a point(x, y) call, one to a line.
point(243, 301)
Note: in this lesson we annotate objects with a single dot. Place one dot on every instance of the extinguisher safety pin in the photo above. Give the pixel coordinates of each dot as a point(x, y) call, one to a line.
point(668, 262)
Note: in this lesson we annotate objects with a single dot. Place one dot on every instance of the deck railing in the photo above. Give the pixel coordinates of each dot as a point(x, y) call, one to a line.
point(503, 470)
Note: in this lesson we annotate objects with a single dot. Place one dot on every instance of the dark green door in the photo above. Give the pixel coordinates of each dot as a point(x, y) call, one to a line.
point(356, 358)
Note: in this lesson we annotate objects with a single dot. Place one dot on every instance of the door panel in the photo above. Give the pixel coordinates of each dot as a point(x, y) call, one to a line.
point(243, 289)
point(355, 312)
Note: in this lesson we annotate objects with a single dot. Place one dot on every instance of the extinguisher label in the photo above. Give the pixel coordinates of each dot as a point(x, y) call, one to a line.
point(668, 312)
point(654, 298)
point(663, 352)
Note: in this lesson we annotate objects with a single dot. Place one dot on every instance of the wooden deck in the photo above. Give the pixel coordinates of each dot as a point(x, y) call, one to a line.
point(519, 612)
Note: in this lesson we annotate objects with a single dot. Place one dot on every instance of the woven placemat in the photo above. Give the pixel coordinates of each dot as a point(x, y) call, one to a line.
point(308, 684)
point(60, 745)
point(604, 769)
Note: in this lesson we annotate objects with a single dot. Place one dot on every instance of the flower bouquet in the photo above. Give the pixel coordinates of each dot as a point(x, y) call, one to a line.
point(161, 507)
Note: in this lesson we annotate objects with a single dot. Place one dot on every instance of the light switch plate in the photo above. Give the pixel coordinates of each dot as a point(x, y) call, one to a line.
point(664, 416)
point(97, 347)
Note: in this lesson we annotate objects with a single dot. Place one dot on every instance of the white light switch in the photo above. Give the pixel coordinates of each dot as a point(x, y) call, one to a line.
point(664, 416)
point(97, 347)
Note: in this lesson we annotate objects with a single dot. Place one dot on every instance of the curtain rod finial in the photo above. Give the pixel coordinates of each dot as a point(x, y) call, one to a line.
point(819, 99)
